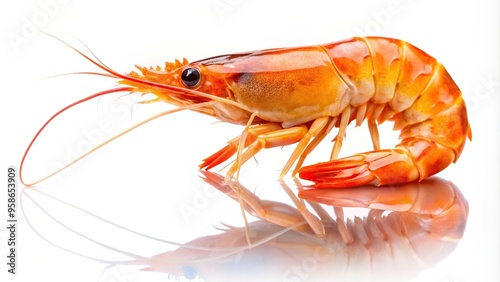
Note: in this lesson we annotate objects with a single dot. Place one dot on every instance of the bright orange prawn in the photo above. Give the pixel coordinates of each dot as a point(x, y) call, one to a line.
point(297, 95)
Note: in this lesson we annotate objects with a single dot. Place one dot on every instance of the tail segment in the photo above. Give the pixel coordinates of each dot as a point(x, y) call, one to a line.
point(434, 129)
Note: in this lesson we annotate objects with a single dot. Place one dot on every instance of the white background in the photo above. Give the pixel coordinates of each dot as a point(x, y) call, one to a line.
point(143, 179)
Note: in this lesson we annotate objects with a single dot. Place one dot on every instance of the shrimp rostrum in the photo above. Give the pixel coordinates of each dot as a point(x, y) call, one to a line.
point(297, 95)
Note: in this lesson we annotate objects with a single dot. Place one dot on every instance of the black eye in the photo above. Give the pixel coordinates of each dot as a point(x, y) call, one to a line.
point(190, 77)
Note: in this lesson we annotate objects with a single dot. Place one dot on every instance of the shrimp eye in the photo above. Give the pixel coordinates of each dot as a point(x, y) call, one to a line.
point(190, 77)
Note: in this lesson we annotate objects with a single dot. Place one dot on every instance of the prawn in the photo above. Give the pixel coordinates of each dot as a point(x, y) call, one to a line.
point(298, 95)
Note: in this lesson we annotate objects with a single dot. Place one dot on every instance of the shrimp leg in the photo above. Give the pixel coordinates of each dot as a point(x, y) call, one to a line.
point(232, 147)
point(272, 135)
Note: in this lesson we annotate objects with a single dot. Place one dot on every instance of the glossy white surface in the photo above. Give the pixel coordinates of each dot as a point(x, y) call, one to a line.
point(146, 178)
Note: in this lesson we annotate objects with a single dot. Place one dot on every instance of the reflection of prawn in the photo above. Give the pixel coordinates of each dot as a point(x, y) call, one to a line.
point(297, 95)
point(426, 222)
